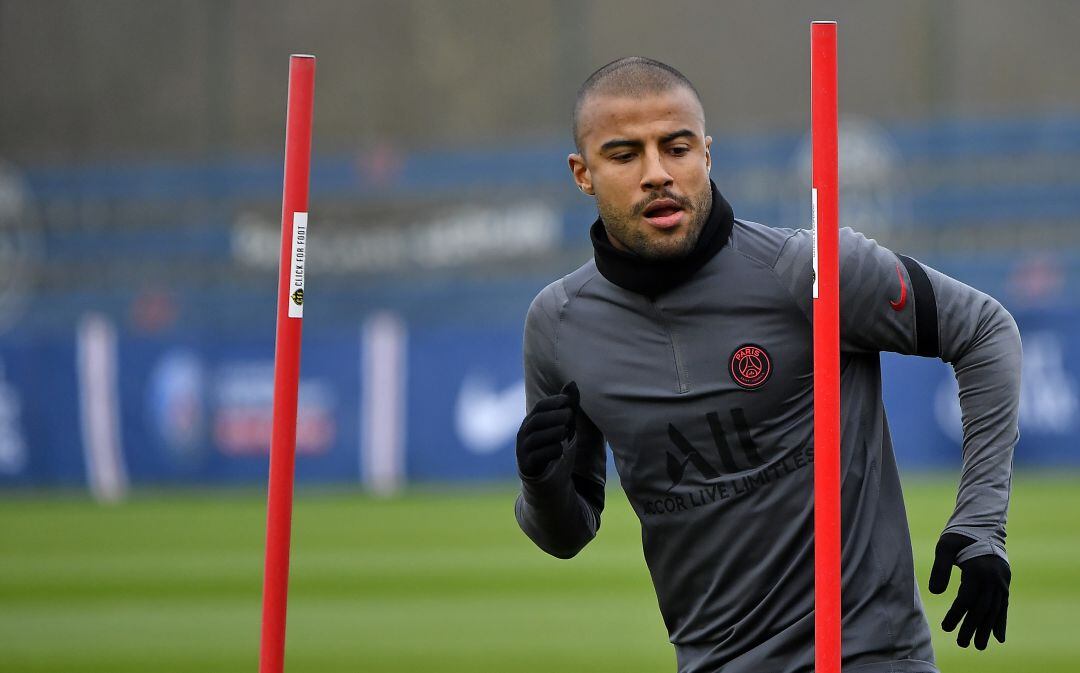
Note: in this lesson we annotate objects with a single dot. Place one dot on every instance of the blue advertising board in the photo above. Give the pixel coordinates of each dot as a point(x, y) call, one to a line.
point(195, 408)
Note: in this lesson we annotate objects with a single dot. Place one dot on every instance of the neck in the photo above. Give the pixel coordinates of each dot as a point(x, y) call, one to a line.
point(654, 277)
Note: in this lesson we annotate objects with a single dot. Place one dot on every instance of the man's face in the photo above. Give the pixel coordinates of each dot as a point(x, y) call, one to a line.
point(646, 160)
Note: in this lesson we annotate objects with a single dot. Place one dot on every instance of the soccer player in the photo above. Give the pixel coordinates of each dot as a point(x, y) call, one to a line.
point(685, 344)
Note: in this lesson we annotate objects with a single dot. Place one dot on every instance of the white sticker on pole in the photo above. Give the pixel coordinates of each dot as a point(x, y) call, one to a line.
point(813, 224)
point(299, 256)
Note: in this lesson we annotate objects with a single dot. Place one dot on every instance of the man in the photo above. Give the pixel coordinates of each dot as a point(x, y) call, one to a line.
point(686, 345)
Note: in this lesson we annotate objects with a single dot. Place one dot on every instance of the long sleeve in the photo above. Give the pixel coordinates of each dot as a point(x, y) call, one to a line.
point(890, 302)
point(559, 510)
point(980, 339)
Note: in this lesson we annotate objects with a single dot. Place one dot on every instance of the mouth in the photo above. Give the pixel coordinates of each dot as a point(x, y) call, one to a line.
point(663, 213)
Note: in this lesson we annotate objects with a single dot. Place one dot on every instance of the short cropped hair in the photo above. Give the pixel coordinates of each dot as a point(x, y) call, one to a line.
point(630, 76)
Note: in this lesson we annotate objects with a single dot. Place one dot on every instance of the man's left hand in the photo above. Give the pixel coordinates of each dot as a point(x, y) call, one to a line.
point(983, 594)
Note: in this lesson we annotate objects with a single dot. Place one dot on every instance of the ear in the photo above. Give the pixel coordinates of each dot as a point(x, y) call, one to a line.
point(708, 153)
point(581, 173)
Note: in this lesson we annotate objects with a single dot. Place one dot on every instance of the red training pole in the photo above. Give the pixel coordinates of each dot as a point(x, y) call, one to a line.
point(825, 198)
point(290, 314)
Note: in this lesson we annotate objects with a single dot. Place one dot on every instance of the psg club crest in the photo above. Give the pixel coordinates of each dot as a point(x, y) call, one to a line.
point(750, 366)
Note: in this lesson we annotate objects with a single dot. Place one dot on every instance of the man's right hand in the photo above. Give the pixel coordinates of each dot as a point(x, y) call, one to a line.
point(540, 439)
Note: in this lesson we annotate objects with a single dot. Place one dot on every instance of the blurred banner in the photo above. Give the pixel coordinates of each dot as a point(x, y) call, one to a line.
point(995, 202)
point(199, 409)
point(195, 409)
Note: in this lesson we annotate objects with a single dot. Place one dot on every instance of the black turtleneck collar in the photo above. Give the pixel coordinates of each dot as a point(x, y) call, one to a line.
point(654, 277)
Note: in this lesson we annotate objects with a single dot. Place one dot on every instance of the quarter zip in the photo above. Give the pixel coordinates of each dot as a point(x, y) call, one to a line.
point(682, 379)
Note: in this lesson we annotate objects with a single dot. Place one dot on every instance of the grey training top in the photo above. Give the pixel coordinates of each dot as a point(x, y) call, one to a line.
point(705, 396)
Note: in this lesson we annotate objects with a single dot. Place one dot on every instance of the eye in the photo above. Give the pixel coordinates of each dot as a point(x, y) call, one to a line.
point(622, 157)
point(680, 150)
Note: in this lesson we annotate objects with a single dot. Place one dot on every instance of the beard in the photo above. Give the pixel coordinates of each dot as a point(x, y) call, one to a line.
point(626, 226)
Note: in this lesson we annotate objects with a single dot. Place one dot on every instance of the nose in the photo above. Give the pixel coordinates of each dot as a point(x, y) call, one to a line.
point(654, 175)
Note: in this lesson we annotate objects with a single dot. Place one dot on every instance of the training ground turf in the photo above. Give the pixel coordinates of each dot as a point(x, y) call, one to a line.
point(434, 581)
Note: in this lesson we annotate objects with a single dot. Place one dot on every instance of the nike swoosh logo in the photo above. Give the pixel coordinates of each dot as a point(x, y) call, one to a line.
point(899, 304)
point(487, 418)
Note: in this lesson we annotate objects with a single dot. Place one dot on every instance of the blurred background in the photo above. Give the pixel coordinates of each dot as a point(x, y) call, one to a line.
point(140, 197)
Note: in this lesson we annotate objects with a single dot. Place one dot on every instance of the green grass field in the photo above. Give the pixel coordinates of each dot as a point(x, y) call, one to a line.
point(433, 581)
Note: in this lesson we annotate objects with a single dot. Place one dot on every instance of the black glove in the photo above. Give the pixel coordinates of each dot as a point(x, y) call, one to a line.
point(551, 421)
point(983, 594)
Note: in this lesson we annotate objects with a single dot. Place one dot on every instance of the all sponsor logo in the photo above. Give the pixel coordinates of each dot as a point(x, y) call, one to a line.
point(176, 406)
point(231, 404)
point(243, 397)
point(487, 416)
point(731, 469)
point(901, 301)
